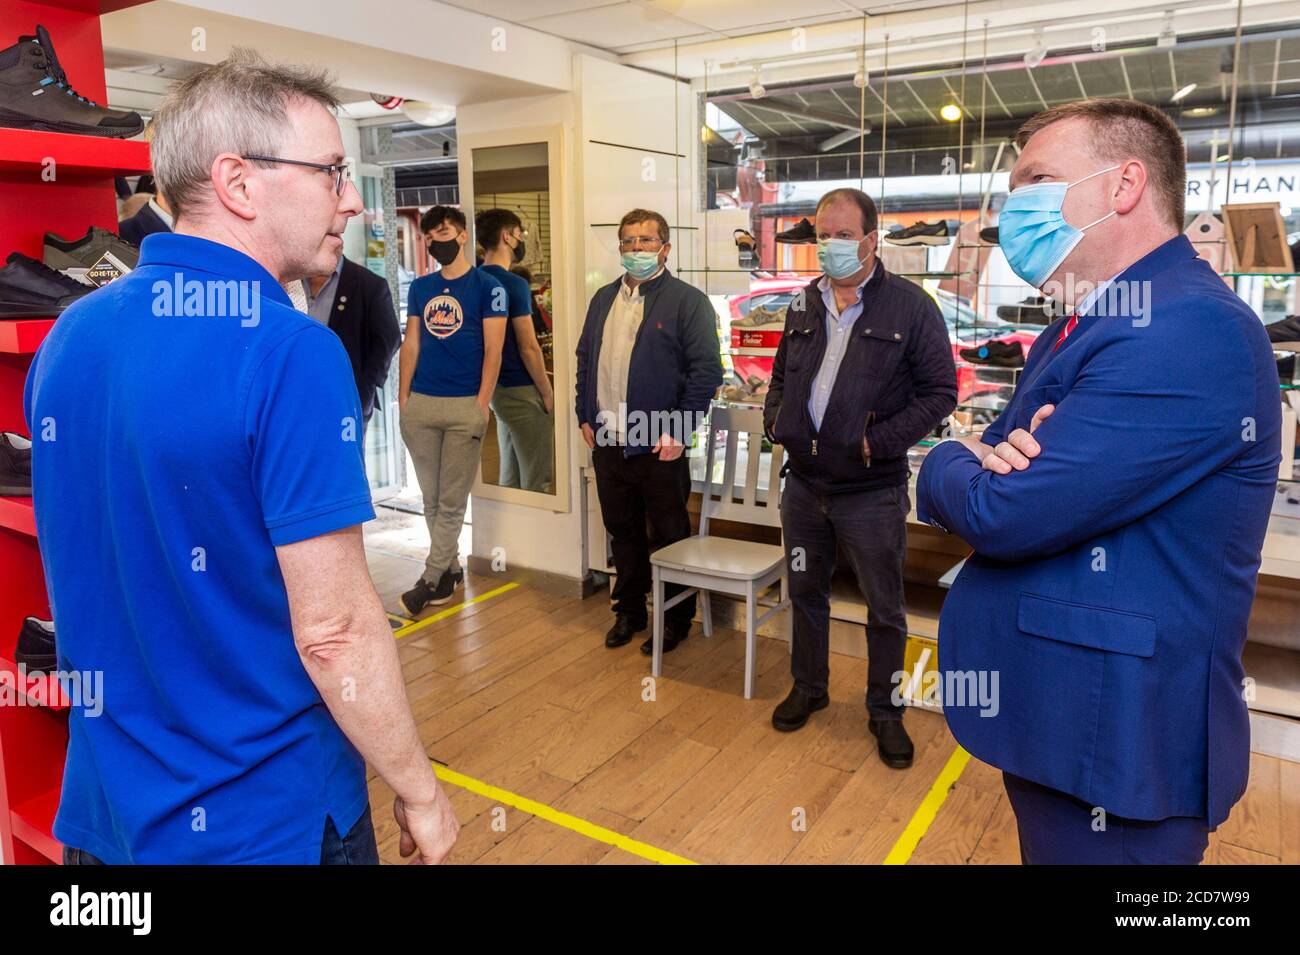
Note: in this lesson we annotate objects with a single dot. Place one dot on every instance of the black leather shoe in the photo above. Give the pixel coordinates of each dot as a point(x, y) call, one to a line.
point(893, 742)
point(624, 626)
point(802, 232)
point(795, 709)
point(673, 635)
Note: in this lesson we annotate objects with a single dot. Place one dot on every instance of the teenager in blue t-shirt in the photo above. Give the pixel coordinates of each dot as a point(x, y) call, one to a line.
point(523, 398)
point(449, 363)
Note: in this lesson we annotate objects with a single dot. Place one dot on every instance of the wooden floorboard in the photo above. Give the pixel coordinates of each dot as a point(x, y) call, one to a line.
point(519, 691)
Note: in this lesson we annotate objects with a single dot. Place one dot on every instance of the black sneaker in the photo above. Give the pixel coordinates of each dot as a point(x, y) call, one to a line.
point(35, 94)
point(1034, 310)
point(801, 233)
point(424, 594)
point(15, 465)
point(921, 233)
point(29, 289)
point(95, 259)
point(989, 235)
point(36, 650)
point(1002, 354)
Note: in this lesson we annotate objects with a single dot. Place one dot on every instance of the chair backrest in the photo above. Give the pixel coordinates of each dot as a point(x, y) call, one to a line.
point(743, 503)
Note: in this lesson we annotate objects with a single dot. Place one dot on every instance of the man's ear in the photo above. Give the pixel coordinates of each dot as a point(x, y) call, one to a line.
point(230, 185)
point(1133, 183)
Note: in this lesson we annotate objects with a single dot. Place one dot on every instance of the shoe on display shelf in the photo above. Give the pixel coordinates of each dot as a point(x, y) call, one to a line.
point(801, 233)
point(761, 328)
point(1287, 330)
point(36, 650)
point(1001, 354)
point(921, 233)
point(95, 259)
point(15, 465)
point(35, 95)
point(989, 235)
point(1034, 310)
point(30, 289)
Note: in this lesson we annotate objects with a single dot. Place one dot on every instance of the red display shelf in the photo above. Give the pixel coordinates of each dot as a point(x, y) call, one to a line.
point(22, 336)
point(33, 823)
point(41, 690)
point(17, 514)
point(92, 6)
point(24, 150)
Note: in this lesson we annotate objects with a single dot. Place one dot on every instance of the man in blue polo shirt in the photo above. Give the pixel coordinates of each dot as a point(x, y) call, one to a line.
point(199, 492)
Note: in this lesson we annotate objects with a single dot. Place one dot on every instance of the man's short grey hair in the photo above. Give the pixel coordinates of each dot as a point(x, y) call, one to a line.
point(240, 106)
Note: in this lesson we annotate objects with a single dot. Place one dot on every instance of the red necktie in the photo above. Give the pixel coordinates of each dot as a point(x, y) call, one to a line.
point(1065, 332)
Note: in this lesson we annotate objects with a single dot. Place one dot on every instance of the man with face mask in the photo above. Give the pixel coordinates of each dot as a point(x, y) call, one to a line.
point(449, 362)
point(864, 371)
point(648, 365)
point(1117, 509)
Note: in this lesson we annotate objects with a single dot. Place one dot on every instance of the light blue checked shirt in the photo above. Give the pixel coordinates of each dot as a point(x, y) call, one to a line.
point(839, 329)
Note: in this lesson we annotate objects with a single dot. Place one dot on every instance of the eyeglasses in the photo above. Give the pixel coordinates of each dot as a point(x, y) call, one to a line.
point(639, 242)
point(341, 172)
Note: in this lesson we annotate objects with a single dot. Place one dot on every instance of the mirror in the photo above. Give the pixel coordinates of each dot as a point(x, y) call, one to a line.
point(512, 214)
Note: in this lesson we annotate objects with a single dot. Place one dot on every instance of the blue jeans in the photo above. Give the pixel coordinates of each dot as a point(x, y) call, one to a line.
point(358, 847)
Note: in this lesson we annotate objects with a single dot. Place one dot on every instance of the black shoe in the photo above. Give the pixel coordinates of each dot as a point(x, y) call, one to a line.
point(424, 594)
point(921, 233)
point(29, 289)
point(989, 235)
point(95, 259)
point(801, 233)
point(624, 626)
point(36, 650)
point(1001, 354)
point(795, 709)
point(35, 94)
point(1034, 310)
point(1287, 330)
point(892, 741)
point(674, 633)
point(15, 465)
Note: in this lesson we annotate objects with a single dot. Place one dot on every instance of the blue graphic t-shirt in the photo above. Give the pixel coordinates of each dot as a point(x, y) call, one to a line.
point(513, 373)
point(451, 313)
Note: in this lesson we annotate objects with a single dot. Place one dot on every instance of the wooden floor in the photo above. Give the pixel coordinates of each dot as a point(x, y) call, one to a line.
point(518, 691)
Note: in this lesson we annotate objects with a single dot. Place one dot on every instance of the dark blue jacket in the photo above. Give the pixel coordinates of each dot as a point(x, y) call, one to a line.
point(896, 383)
point(1112, 579)
point(676, 364)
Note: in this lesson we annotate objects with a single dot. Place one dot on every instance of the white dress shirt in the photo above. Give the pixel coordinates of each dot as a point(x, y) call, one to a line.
point(621, 325)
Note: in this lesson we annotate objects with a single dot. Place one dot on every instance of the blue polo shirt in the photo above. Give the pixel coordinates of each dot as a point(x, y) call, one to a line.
point(519, 298)
point(188, 421)
point(451, 313)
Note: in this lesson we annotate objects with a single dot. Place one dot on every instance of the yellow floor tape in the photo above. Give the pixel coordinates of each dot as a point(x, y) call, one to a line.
point(929, 808)
point(543, 811)
point(434, 618)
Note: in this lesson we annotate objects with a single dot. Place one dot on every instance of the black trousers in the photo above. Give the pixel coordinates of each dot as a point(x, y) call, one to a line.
point(872, 527)
point(643, 505)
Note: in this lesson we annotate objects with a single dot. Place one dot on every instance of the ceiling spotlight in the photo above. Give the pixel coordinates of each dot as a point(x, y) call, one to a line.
point(756, 88)
point(428, 114)
point(951, 112)
point(1182, 92)
point(1035, 55)
point(1167, 36)
point(1198, 111)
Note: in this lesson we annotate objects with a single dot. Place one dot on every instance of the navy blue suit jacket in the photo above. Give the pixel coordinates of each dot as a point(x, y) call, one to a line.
point(1112, 580)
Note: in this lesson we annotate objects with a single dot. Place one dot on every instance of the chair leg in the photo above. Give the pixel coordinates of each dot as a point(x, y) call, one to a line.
point(657, 659)
point(751, 638)
point(706, 612)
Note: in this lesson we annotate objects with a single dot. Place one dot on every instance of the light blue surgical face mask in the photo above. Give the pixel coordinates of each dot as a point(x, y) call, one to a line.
point(839, 257)
point(1034, 234)
point(640, 265)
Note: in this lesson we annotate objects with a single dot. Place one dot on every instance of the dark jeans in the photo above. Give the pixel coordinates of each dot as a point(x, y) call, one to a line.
point(1058, 829)
point(634, 492)
point(872, 527)
point(358, 847)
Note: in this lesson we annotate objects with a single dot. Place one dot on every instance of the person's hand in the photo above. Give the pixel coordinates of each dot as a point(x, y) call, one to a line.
point(482, 409)
point(866, 449)
point(1014, 453)
point(431, 828)
point(589, 436)
point(548, 402)
point(668, 448)
point(401, 400)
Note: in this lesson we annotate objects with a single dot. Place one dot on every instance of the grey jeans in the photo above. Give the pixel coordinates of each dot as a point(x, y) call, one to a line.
point(526, 437)
point(444, 436)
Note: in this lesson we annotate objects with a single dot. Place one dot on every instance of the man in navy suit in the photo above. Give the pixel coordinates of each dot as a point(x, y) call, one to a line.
point(1117, 510)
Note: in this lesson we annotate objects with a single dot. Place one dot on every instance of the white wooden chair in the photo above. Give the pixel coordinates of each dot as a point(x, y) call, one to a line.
point(707, 564)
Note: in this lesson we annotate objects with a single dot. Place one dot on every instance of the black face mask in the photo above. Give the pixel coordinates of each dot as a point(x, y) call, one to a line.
point(520, 251)
point(444, 251)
